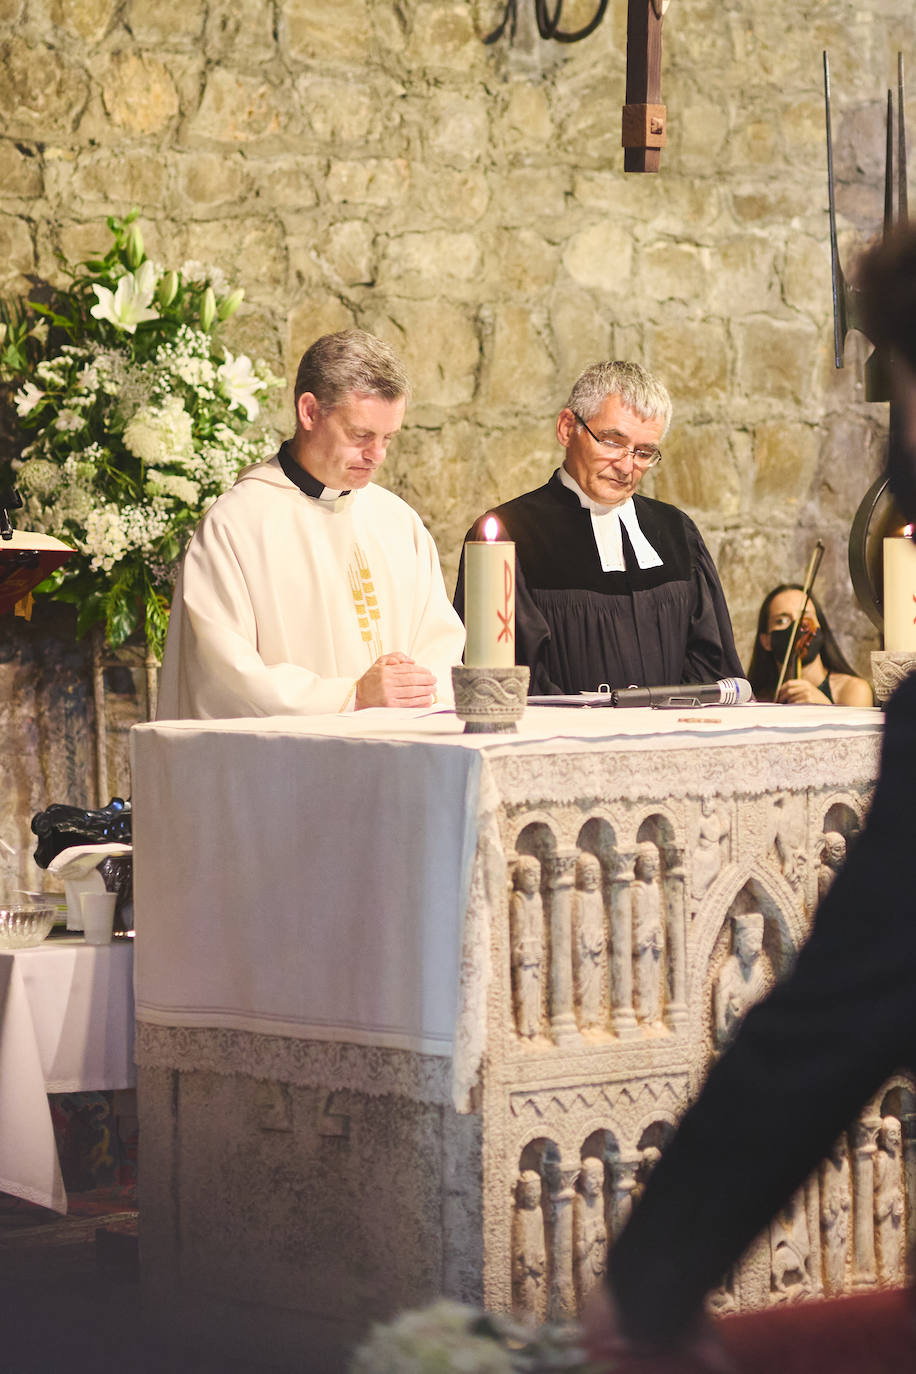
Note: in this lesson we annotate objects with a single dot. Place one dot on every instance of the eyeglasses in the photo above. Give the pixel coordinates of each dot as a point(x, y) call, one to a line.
point(642, 457)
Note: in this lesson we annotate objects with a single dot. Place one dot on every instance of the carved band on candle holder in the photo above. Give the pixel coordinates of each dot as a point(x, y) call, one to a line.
point(490, 700)
point(888, 669)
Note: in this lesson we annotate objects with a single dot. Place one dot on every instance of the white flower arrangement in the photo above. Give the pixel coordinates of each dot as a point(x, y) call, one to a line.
point(139, 418)
point(449, 1336)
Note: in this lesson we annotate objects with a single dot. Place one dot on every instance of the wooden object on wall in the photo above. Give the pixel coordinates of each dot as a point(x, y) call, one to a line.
point(644, 116)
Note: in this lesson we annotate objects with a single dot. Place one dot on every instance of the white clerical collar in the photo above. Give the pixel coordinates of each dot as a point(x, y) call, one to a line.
point(606, 523)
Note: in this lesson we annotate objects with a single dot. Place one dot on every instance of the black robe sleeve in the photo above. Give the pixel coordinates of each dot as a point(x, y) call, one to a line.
point(802, 1065)
point(711, 652)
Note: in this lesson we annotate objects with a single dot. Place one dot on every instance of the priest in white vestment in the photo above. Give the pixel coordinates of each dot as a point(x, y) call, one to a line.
point(307, 588)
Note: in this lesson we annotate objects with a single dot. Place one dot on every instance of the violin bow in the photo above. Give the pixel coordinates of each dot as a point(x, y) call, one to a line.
point(810, 575)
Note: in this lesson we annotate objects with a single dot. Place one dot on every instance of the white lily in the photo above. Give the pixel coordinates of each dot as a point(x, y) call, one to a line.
point(239, 384)
point(27, 398)
point(129, 304)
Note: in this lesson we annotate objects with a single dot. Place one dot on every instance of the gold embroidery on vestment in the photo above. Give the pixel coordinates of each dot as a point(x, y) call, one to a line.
point(365, 602)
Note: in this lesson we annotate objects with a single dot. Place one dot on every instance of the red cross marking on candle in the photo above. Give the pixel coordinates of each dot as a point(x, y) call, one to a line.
point(505, 615)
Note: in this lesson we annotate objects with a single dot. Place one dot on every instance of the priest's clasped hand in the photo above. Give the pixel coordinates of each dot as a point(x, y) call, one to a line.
point(395, 680)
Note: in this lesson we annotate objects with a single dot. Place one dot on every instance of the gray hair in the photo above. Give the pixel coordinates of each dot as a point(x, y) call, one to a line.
point(639, 391)
point(351, 360)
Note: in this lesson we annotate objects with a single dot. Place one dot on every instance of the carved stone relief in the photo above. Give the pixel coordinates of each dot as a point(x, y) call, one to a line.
point(742, 980)
point(590, 1229)
point(835, 1205)
point(527, 924)
point(670, 920)
point(591, 942)
point(648, 936)
point(710, 845)
point(529, 1249)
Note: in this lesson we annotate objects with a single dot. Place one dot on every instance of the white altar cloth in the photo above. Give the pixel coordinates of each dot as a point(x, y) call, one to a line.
point(66, 1025)
point(345, 845)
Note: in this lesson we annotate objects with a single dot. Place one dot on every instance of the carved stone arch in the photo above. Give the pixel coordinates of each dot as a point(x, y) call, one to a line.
point(597, 835)
point(664, 829)
point(845, 812)
point(536, 837)
point(761, 884)
point(535, 1145)
point(897, 1098)
point(598, 1138)
point(656, 1129)
point(759, 892)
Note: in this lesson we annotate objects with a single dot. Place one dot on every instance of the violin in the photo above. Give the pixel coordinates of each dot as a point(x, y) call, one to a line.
point(801, 637)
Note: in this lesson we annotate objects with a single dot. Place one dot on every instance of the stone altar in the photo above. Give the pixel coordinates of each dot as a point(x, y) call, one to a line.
point(296, 1185)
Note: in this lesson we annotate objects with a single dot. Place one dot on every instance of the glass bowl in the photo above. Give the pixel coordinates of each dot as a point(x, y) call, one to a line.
point(22, 926)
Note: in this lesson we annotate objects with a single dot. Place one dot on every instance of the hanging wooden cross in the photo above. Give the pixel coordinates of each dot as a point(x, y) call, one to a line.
point(644, 116)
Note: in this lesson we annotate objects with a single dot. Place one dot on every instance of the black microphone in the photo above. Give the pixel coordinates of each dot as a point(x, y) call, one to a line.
point(728, 691)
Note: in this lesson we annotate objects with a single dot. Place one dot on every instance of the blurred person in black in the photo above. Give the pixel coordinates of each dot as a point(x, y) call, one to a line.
point(807, 1058)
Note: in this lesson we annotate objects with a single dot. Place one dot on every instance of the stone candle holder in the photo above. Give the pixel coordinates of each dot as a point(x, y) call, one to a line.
point(490, 700)
point(888, 669)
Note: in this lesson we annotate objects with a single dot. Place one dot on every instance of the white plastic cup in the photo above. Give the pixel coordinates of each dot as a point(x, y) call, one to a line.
point(98, 910)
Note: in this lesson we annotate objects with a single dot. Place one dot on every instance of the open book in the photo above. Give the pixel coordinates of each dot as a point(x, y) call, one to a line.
point(25, 560)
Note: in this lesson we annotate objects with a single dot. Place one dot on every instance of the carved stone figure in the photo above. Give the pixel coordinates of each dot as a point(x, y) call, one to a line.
point(590, 939)
point(590, 1227)
point(560, 1175)
point(835, 1205)
point(889, 1204)
point(529, 1248)
point(742, 979)
point(789, 838)
point(790, 1250)
point(707, 854)
point(527, 932)
point(650, 1157)
point(833, 856)
point(648, 938)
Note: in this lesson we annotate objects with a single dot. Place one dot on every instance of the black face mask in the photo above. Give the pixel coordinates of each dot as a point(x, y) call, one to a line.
point(779, 642)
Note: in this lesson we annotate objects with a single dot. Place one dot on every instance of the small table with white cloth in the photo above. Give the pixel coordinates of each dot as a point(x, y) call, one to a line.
point(66, 1025)
point(325, 982)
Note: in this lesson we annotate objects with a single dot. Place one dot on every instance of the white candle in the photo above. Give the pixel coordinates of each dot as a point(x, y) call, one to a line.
point(900, 594)
point(489, 599)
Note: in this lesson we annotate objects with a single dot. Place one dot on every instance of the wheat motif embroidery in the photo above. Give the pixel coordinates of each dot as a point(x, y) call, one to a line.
point(365, 603)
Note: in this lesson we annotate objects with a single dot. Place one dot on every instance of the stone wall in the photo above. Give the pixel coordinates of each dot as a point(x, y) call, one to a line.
point(375, 163)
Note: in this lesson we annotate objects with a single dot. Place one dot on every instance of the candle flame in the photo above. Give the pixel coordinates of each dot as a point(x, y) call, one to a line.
point(908, 531)
point(490, 528)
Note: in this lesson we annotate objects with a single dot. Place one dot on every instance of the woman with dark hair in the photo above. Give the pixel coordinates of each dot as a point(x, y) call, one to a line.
point(821, 674)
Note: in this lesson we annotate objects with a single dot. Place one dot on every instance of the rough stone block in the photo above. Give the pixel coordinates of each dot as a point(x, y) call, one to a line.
point(518, 370)
point(168, 23)
point(785, 460)
point(239, 109)
point(778, 360)
point(454, 127)
point(312, 31)
point(86, 19)
point(431, 263)
point(694, 358)
point(16, 253)
point(439, 345)
point(444, 36)
point(376, 181)
point(599, 256)
point(139, 93)
point(41, 93)
point(140, 179)
point(20, 170)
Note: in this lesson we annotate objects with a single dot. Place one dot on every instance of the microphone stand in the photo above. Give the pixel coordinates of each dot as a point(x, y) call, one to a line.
point(810, 575)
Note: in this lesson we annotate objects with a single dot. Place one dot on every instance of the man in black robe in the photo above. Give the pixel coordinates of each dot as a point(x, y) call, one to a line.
point(612, 587)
